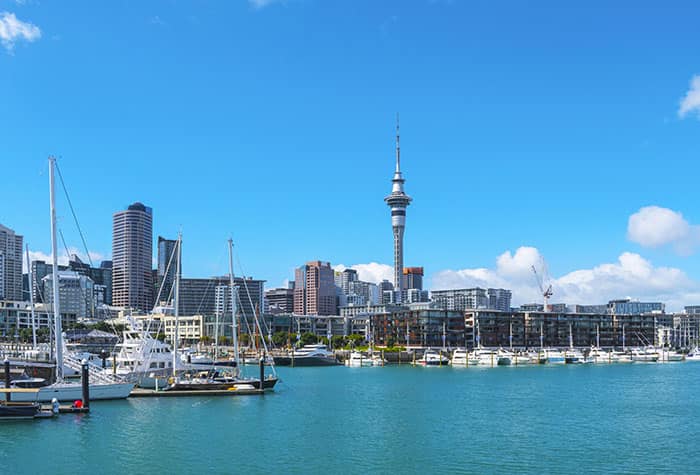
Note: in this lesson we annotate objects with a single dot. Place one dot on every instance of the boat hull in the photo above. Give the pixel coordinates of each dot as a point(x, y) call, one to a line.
point(305, 361)
point(9, 412)
point(74, 391)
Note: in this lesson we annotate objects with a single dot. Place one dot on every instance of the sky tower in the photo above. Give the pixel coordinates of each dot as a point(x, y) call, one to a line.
point(398, 201)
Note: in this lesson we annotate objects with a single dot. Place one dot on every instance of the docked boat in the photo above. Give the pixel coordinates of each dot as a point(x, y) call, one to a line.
point(358, 360)
point(693, 355)
point(308, 355)
point(648, 354)
point(433, 358)
point(504, 357)
point(573, 356)
point(522, 359)
point(551, 356)
point(672, 356)
point(10, 411)
point(620, 357)
point(484, 357)
point(461, 357)
point(598, 356)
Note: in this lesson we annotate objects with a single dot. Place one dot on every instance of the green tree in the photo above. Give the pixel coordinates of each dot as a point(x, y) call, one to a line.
point(244, 339)
point(355, 340)
point(205, 339)
point(224, 340)
point(160, 336)
point(280, 339)
point(308, 338)
point(338, 341)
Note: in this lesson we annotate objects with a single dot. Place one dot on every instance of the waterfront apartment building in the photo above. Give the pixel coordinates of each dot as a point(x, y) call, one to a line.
point(631, 307)
point(466, 299)
point(314, 289)
point(101, 276)
point(165, 271)
point(132, 251)
point(10, 264)
point(279, 301)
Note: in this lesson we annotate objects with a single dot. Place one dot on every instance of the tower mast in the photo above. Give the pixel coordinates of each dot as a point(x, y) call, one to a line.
point(398, 200)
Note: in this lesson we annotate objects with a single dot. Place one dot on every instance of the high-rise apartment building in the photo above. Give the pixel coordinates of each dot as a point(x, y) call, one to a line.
point(413, 278)
point(10, 264)
point(314, 289)
point(476, 298)
point(132, 251)
point(167, 266)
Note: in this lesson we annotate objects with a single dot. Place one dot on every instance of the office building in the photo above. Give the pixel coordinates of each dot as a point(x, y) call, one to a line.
point(314, 289)
point(132, 251)
point(413, 278)
point(76, 294)
point(167, 266)
point(278, 301)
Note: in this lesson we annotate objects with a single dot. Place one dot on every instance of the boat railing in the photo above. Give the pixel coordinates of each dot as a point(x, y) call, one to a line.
point(97, 374)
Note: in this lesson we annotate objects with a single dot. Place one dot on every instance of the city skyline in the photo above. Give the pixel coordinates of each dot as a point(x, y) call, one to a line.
point(559, 161)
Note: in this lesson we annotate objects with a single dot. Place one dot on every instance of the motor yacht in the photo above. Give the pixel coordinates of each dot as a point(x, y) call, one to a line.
point(308, 355)
point(433, 358)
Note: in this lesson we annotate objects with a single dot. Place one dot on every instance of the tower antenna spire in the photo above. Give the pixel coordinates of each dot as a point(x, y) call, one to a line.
point(398, 146)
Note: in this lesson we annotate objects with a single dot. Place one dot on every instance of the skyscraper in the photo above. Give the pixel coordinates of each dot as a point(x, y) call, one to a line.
point(132, 251)
point(314, 289)
point(166, 273)
point(398, 201)
point(10, 264)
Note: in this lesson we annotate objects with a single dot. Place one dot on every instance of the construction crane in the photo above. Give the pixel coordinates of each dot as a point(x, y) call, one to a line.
point(546, 293)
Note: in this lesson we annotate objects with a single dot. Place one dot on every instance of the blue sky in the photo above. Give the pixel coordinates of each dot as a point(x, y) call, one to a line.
point(535, 125)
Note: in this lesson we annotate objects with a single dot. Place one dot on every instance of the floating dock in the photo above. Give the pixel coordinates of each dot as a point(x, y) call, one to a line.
point(139, 392)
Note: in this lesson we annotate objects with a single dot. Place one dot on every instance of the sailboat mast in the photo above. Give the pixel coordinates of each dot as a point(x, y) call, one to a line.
point(176, 302)
point(31, 298)
point(233, 302)
point(58, 335)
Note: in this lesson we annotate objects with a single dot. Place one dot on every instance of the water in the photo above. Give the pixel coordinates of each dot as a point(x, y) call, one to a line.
point(635, 418)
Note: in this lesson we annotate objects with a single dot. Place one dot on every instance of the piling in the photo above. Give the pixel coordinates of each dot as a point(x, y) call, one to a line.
point(85, 380)
point(103, 355)
point(262, 372)
point(7, 379)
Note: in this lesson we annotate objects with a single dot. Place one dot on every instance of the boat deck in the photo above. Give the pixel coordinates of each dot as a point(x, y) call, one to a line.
point(139, 392)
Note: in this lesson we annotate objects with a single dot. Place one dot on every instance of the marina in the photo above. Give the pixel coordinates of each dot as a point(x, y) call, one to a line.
point(501, 411)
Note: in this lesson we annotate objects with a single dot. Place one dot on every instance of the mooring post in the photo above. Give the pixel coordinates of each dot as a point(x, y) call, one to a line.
point(7, 380)
point(85, 380)
point(262, 372)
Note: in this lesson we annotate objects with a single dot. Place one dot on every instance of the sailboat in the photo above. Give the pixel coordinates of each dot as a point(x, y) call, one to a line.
point(215, 379)
point(102, 384)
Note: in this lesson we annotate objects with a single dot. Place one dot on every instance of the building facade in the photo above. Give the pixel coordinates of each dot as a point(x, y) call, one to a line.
point(75, 292)
point(166, 269)
point(314, 289)
point(132, 251)
point(466, 299)
point(10, 264)
point(413, 278)
point(279, 301)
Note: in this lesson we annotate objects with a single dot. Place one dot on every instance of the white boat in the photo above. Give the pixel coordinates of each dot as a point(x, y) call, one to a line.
point(308, 355)
point(461, 357)
point(693, 355)
point(551, 356)
point(522, 359)
point(377, 359)
point(648, 354)
point(142, 359)
point(672, 356)
point(620, 357)
point(573, 356)
point(358, 360)
point(484, 357)
point(598, 356)
point(433, 358)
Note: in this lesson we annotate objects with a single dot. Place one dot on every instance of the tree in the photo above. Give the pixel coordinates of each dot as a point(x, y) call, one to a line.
point(308, 338)
point(205, 339)
point(338, 341)
point(244, 339)
point(390, 342)
point(280, 338)
point(224, 340)
point(160, 336)
point(355, 339)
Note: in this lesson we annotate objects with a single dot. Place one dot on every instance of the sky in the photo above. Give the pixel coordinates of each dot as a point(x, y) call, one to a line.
point(563, 135)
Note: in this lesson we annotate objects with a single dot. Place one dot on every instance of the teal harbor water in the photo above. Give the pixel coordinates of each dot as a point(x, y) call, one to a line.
point(634, 418)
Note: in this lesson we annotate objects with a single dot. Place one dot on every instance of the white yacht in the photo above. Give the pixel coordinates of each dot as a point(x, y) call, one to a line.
point(308, 355)
point(573, 356)
point(142, 359)
point(648, 354)
point(484, 357)
point(598, 356)
point(551, 356)
point(433, 358)
point(461, 357)
point(358, 360)
point(620, 357)
point(524, 358)
point(693, 355)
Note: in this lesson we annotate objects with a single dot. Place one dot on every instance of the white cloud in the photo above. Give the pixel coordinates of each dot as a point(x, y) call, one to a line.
point(653, 226)
point(372, 272)
point(13, 30)
point(691, 102)
point(631, 276)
